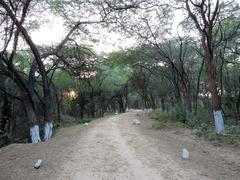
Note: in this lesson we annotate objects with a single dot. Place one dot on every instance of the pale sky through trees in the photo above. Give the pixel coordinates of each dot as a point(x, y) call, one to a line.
point(53, 31)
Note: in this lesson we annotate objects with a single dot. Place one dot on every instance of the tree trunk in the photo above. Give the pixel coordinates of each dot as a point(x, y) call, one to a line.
point(48, 113)
point(82, 110)
point(32, 119)
point(238, 105)
point(188, 100)
point(212, 84)
point(6, 113)
point(198, 86)
point(59, 97)
point(163, 103)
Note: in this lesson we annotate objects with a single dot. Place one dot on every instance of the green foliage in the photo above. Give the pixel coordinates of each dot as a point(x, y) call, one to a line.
point(167, 124)
point(83, 120)
point(178, 113)
point(164, 120)
point(222, 138)
point(56, 125)
point(233, 130)
point(116, 77)
point(23, 61)
point(64, 81)
point(160, 115)
point(230, 136)
point(120, 58)
point(193, 122)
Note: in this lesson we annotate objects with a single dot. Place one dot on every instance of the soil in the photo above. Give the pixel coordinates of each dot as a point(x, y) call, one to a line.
point(112, 148)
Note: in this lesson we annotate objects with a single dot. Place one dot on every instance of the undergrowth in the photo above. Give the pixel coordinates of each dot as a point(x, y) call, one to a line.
point(165, 120)
point(83, 120)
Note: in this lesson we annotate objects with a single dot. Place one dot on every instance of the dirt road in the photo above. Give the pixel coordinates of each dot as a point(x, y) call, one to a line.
point(114, 149)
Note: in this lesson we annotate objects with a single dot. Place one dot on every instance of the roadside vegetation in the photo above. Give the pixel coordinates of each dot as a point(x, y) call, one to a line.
point(167, 120)
point(189, 73)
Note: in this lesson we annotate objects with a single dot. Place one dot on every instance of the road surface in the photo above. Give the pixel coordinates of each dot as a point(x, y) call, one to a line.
point(112, 148)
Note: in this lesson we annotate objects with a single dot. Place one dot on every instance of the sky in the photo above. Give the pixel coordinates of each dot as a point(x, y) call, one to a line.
point(53, 32)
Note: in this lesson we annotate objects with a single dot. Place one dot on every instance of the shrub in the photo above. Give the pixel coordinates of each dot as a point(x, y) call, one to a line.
point(192, 121)
point(83, 120)
point(178, 113)
point(201, 126)
point(160, 115)
point(164, 120)
point(233, 130)
point(56, 125)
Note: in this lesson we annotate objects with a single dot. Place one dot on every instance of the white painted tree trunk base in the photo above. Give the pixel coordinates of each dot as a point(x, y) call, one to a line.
point(34, 133)
point(48, 131)
point(219, 124)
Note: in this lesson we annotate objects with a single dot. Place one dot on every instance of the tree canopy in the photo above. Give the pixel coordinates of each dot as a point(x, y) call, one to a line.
point(190, 70)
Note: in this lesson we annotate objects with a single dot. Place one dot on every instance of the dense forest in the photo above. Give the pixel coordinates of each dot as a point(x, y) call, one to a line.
point(189, 72)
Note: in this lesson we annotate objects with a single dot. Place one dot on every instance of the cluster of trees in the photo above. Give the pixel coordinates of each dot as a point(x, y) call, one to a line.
point(26, 75)
point(194, 71)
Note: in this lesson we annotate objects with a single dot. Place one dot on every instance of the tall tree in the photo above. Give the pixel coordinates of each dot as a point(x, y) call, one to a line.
point(204, 13)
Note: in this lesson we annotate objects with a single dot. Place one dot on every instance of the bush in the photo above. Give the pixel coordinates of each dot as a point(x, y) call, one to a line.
point(231, 135)
point(160, 115)
point(164, 120)
point(178, 113)
point(83, 120)
point(233, 130)
point(201, 126)
point(192, 121)
point(56, 125)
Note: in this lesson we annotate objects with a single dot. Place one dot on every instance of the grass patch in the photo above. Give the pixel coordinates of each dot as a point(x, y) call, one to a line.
point(168, 124)
point(223, 138)
point(231, 135)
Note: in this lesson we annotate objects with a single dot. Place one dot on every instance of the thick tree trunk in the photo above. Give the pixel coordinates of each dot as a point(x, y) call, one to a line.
point(212, 83)
point(205, 24)
point(37, 56)
point(6, 113)
point(48, 113)
point(121, 104)
point(32, 119)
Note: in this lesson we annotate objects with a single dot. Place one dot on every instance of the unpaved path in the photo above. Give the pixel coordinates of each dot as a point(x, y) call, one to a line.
point(114, 149)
